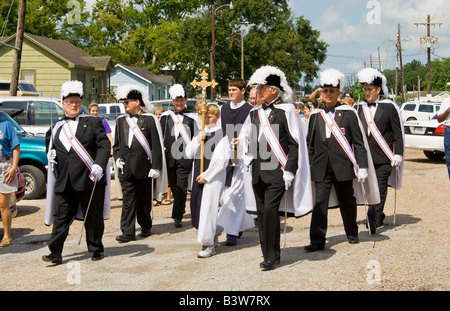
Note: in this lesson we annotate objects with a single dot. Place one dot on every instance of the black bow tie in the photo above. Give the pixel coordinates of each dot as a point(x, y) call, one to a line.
point(372, 104)
point(328, 109)
point(179, 112)
point(68, 118)
point(265, 106)
point(134, 115)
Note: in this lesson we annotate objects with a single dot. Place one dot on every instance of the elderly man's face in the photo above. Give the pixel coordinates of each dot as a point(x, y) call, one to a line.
point(372, 92)
point(330, 95)
point(72, 106)
point(266, 94)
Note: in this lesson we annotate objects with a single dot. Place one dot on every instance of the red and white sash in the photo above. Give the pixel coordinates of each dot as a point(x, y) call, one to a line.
point(376, 132)
point(78, 148)
point(140, 137)
point(272, 139)
point(341, 139)
point(180, 128)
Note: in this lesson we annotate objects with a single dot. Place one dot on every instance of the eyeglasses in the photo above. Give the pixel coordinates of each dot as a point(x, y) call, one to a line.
point(369, 90)
point(72, 102)
point(127, 101)
point(328, 91)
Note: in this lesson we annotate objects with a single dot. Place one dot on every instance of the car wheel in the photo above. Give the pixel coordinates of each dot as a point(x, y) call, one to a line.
point(434, 155)
point(411, 119)
point(14, 211)
point(35, 183)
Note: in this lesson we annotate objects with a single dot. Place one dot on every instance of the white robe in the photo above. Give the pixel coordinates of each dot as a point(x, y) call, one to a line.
point(212, 190)
point(233, 216)
point(298, 199)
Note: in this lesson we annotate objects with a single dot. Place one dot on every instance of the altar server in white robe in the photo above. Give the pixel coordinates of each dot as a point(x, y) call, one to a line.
point(208, 185)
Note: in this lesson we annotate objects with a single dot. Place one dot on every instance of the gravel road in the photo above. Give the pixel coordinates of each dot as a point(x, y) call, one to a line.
point(413, 255)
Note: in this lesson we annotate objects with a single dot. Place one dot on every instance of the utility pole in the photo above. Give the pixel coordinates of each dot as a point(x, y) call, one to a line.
point(399, 51)
point(18, 50)
point(429, 41)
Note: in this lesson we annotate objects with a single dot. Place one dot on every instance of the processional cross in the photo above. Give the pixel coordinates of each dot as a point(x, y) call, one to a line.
point(204, 83)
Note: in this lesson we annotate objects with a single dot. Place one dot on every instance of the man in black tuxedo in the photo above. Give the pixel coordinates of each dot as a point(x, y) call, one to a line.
point(387, 148)
point(178, 128)
point(269, 180)
point(330, 164)
point(77, 172)
point(138, 156)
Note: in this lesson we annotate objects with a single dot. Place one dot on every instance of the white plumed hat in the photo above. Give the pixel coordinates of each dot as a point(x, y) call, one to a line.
point(71, 88)
point(332, 77)
point(269, 75)
point(133, 91)
point(373, 77)
point(176, 90)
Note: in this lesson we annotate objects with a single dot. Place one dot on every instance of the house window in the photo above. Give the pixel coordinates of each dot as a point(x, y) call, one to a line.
point(28, 75)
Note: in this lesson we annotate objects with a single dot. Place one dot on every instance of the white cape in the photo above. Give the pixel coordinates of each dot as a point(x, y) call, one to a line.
point(299, 197)
point(372, 194)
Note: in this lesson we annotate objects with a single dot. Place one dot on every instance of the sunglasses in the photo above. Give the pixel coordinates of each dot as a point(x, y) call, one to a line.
point(328, 91)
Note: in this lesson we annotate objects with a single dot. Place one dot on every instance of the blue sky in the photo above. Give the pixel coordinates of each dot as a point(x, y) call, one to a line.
point(356, 29)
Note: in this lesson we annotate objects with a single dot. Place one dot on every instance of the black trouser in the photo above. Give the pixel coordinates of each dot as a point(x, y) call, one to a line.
point(136, 204)
point(68, 203)
point(375, 213)
point(178, 181)
point(268, 197)
point(347, 206)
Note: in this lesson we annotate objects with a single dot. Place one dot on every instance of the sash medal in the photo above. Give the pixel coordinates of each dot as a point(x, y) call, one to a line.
point(334, 128)
point(271, 138)
point(376, 133)
point(140, 137)
point(78, 148)
point(181, 129)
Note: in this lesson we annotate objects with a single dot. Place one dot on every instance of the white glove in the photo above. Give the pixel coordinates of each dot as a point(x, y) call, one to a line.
point(153, 173)
point(247, 160)
point(51, 156)
point(397, 160)
point(288, 177)
point(97, 171)
point(362, 175)
point(120, 163)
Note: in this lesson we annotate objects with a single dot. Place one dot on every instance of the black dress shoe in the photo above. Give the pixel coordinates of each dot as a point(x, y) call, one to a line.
point(145, 233)
point(353, 239)
point(268, 265)
point(53, 258)
point(125, 238)
point(314, 247)
point(98, 256)
point(178, 223)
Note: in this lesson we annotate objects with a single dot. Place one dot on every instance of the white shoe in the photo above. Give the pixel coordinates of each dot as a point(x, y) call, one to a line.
point(207, 251)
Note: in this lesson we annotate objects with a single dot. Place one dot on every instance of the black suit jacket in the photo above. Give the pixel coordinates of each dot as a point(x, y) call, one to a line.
point(177, 152)
point(92, 135)
point(265, 164)
point(328, 150)
point(388, 123)
point(137, 163)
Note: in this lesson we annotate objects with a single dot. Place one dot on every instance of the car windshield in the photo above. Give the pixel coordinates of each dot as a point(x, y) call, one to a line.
point(17, 127)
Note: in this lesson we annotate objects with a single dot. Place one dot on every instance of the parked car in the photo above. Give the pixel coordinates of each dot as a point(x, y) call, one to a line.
point(24, 88)
point(32, 160)
point(34, 114)
point(427, 136)
point(412, 111)
point(112, 109)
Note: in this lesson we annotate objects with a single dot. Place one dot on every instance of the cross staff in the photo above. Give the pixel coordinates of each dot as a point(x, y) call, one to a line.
point(203, 84)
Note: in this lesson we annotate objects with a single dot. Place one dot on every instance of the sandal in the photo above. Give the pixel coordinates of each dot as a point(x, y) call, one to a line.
point(5, 242)
point(166, 202)
point(156, 203)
